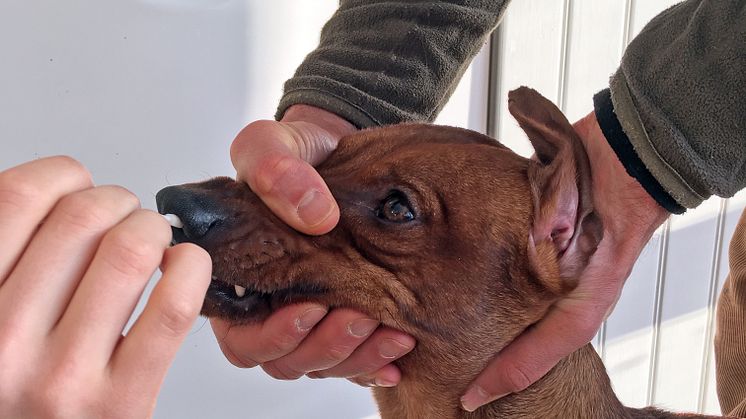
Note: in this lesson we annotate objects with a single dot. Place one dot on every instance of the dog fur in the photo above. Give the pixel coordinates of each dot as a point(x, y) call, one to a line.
point(444, 234)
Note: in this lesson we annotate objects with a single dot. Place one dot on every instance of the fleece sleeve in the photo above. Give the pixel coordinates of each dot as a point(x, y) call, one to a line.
point(384, 62)
point(675, 112)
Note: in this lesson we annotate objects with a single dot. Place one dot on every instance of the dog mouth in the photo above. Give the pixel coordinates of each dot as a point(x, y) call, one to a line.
point(239, 304)
point(236, 303)
point(260, 292)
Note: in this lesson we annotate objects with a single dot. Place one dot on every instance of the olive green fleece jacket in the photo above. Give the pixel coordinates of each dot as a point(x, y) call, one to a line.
point(675, 113)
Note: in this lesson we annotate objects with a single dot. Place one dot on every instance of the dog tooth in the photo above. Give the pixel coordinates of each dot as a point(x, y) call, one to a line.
point(240, 291)
point(174, 220)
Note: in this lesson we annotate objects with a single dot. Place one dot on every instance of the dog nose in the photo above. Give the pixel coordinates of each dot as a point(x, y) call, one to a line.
point(197, 210)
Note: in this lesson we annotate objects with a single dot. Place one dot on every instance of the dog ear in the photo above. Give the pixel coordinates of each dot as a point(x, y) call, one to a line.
point(565, 231)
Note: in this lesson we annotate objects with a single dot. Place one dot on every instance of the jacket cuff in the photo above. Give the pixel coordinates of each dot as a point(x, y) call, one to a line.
point(619, 142)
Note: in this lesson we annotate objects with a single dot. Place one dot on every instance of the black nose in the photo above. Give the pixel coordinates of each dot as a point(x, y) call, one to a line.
point(199, 212)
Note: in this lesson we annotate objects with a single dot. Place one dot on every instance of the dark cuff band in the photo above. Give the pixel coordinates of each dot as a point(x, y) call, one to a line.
point(624, 150)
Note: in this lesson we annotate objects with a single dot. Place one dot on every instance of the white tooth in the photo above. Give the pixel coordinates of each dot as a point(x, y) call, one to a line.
point(174, 220)
point(214, 277)
point(240, 291)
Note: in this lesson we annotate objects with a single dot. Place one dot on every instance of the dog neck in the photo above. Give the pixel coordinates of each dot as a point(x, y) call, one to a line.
point(577, 387)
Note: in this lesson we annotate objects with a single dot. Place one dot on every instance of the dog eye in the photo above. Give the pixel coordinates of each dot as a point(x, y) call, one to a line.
point(396, 208)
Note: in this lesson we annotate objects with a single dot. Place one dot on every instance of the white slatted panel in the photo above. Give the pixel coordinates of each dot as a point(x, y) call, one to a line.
point(530, 53)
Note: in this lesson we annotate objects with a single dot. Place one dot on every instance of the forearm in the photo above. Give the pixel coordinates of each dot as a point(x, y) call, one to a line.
point(679, 98)
point(385, 62)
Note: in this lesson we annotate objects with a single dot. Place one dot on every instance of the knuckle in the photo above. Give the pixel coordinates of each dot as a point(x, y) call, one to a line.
point(240, 361)
point(68, 166)
point(282, 371)
point(257, 130)
point(130, 256)
point(59, 399)
point(335, 354)
point(280, 345)
point(176, 318)
point(253, 134)
point(362, 381)
point(517, 378)
point(585, 332)
point(87, 211)
point(158, 229)
point(270, 171)
point(17, 191)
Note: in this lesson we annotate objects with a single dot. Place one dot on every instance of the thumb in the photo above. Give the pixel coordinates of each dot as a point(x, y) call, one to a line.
point(276, 159)
point(529, 357)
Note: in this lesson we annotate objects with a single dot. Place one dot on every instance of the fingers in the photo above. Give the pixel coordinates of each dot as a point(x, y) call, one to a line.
point(276, 159)
point(272, 158)
point(246, 346)
point(370, 363)
point(144, 355)
point(326, 346)
point(27, 194)
point(345, 344)
point(39, 288)
point(107, 294)
point(388, 376)
point(530, 356)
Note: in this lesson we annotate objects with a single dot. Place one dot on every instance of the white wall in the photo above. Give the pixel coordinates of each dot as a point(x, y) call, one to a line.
point(151, 92)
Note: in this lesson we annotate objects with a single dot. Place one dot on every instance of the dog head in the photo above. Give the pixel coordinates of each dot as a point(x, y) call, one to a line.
point(444, 233)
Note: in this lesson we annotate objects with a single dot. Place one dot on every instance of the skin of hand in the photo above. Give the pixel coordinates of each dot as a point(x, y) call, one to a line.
point(75, 259)
point(276, 159)
point(630, 217)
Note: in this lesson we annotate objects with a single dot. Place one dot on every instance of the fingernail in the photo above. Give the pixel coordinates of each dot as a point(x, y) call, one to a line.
point(382, 382)
point(314, 208)
point(361, 327)
point(390, 348)
point(308, 319)
point(475, 397)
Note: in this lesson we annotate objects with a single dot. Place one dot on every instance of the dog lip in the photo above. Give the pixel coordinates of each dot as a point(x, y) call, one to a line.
point(223, 297)
point(224, 293)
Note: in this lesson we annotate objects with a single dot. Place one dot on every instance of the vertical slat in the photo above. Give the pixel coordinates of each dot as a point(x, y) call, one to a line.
point(493, 83)
point(563, 55)
point(657, 312)
point(682, 334)
point(629, 8)
point(711, 302)
point(526, 57)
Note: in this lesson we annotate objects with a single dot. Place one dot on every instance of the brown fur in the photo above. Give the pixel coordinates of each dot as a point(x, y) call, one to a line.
point(496, 239)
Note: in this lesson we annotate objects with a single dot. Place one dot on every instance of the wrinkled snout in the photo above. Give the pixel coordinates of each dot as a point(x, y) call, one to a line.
point(198, 211)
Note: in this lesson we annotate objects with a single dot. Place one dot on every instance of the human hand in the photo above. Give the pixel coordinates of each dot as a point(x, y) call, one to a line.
point(630, 217)
point(74, 261)
point(276, 159)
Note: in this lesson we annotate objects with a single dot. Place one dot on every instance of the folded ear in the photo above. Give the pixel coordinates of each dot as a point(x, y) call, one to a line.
point(565, 231)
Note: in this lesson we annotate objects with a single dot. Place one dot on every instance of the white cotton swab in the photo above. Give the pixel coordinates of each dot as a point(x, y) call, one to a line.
point(174, 220)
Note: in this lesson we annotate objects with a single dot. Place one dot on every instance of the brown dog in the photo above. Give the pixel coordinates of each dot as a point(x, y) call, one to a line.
point(444, 234)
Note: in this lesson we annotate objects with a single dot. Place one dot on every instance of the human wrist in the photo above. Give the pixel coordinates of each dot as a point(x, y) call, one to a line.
point(629, 214)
